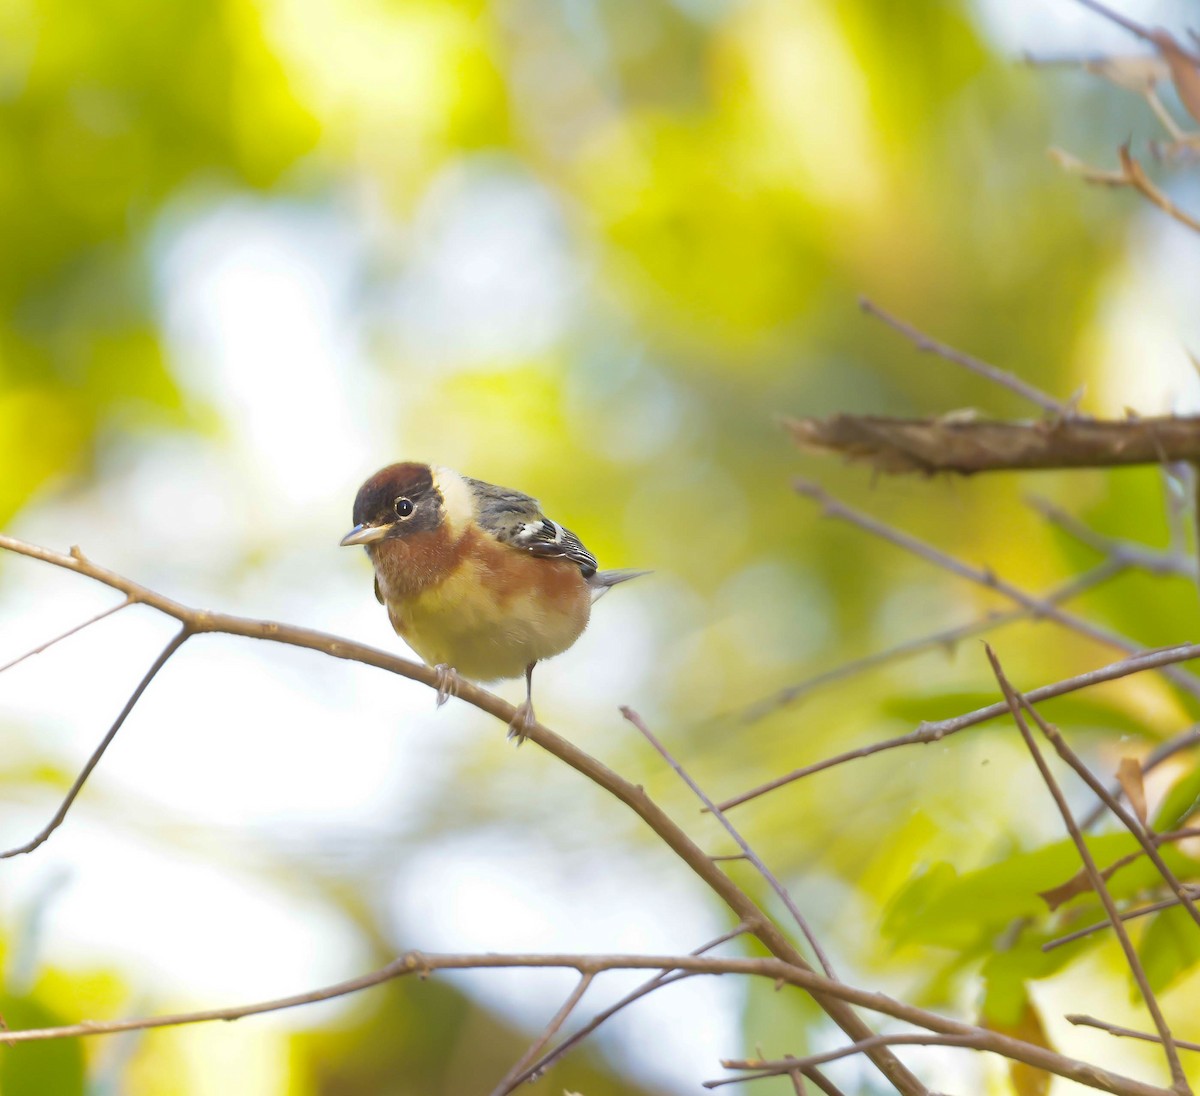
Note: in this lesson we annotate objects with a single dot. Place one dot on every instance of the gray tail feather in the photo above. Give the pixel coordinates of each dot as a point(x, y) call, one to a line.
point(603, 581)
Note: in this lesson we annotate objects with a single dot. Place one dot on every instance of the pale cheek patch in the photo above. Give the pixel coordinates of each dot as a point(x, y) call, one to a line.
point(459, 504)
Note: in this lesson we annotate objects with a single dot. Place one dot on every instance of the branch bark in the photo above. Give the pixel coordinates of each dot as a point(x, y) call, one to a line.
point(966, 448)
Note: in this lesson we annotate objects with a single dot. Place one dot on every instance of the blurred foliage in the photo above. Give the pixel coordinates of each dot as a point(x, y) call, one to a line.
point(601, 246)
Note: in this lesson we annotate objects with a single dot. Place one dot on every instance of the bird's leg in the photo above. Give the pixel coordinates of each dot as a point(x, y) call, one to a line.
point(524, 718)
point(447, 682)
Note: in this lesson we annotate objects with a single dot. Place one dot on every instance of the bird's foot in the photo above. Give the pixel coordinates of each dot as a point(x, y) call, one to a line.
point(447, 682)
point(523, 719)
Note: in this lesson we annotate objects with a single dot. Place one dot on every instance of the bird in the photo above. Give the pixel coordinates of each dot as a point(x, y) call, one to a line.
point(474, 577)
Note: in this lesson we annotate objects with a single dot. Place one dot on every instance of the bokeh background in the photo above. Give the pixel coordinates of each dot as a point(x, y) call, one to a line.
point(252, 250)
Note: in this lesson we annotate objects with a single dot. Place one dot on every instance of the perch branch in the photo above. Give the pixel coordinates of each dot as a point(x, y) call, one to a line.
point(197, 621)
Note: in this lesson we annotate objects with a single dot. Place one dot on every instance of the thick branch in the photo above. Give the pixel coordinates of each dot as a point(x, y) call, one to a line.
point(937, 445)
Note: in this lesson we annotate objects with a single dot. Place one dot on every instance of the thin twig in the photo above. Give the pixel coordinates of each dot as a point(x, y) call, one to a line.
point(67, 634)
point(1145, 33)
point(1130, 174)
point(1185, 740)
point(741, 842)
point(1124, 1032)
point(1016, 702)
point(946, 640)
point(512, 1079)
point(1100, 926)
point(998, 376)
point(832, 507)
point(764, 1068)
point(1128, 819)
point(1137, 178)
point(1162, 564)
point(175, 643)
point(937, 730)
point(1056, 896)
point(662, 978)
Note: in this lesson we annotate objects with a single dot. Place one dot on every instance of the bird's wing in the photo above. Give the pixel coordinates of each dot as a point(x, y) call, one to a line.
point(515, 518)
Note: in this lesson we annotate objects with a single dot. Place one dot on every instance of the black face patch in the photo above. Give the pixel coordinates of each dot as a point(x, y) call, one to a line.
point(375, 503)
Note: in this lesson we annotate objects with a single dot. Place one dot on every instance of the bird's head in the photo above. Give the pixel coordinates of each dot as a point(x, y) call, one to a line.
point(397, 501)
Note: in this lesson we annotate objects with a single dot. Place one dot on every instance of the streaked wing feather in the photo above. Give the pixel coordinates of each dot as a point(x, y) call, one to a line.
point(517, 519)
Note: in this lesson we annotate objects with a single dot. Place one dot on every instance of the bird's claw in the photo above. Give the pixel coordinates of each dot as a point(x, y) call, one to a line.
point(447, 682)
point(522, 721)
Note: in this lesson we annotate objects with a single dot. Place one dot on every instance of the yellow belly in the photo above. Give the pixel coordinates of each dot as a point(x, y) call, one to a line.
point(487, 633)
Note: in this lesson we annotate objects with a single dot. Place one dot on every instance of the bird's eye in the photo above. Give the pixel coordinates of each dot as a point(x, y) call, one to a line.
point(403, 507)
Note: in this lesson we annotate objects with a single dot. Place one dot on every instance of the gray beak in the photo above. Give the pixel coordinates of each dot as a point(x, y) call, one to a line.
point(364, 534)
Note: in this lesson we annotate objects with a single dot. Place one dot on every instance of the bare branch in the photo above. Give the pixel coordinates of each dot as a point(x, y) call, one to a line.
point(1131, 172)
point(1147, 34)
point(66, 635)
point(998, 376)
point(1135, 175)
point(986, 578)
point(741, 842)
point(1161, 564)
point(1124, 1032)
point(783, 1066)
point(513, 1078)
point(775, 969)
point(1185, 740)
point(937, 730)
point(662, 978)
point(633, 796)
point(1078, 884)
point(1015, 703)
point(1127, 915)
point(945, 640)
point(967, 447)
point(98, 753)
point(1127, 818)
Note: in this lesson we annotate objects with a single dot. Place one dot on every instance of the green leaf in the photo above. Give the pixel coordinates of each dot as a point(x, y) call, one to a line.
point(942, 908)
point(1179, 802)
point(1169, 947)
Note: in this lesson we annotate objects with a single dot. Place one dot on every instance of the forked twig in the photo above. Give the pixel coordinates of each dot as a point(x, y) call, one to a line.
point(513, 1078)
point(662, 978)
point(741, 842)
point(1016, 704)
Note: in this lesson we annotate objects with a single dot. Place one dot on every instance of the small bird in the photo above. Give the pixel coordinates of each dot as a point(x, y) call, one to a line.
point(475, 578)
